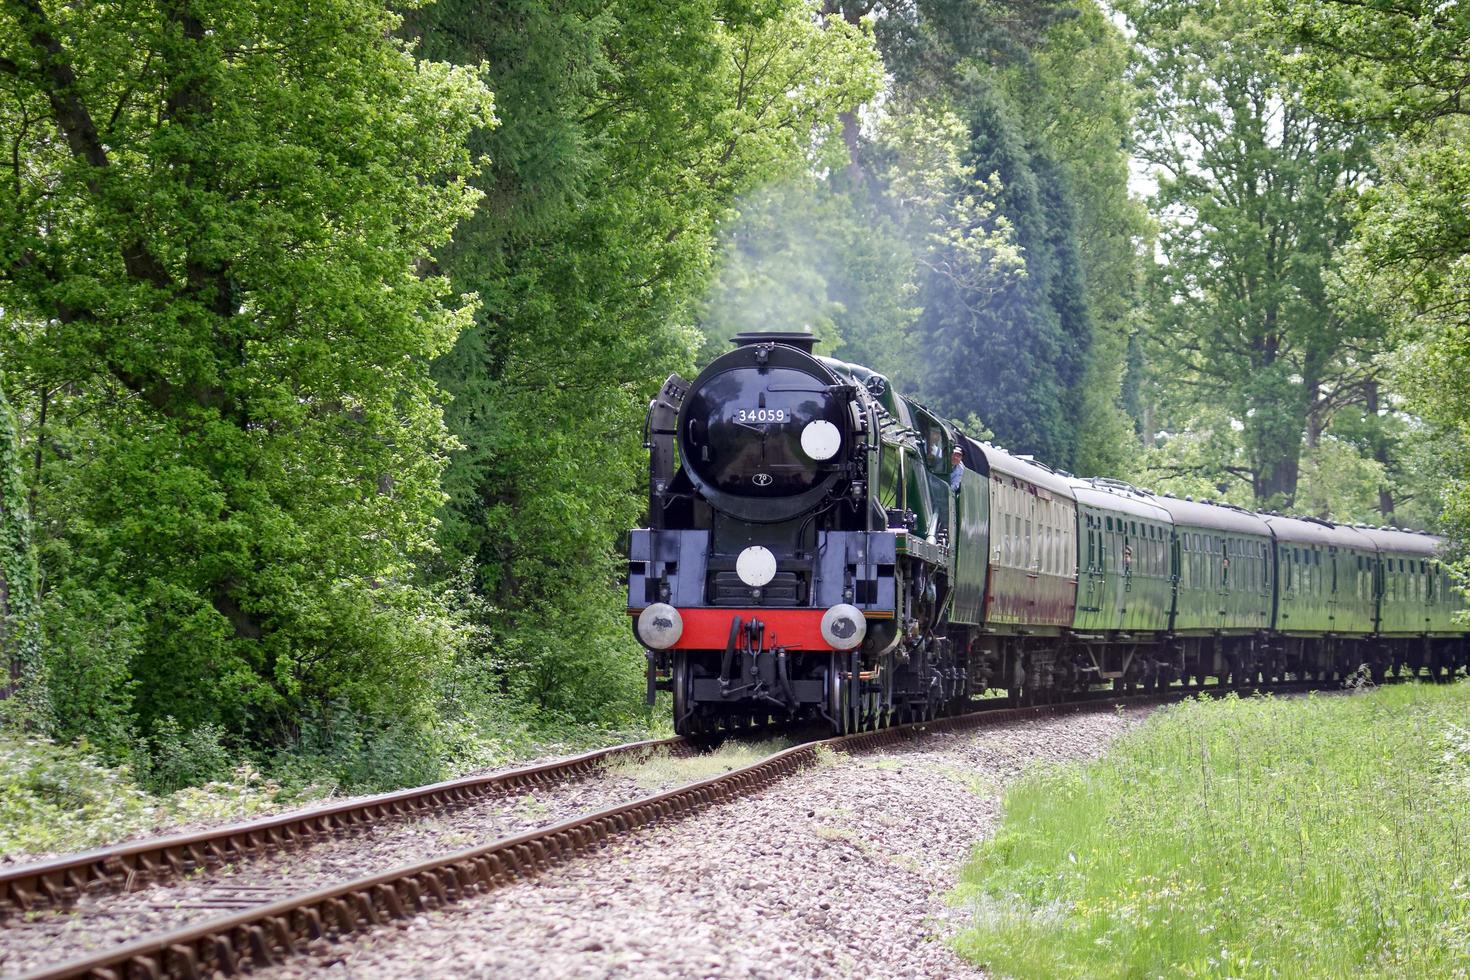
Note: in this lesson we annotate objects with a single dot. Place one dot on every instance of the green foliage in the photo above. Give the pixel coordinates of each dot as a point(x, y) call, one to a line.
point(92, 641)
point(929, 44)
point(180, 758)
point(56, 799)
point(630, 130)
point(1400, 67)
point(1013, 353)
point(1076, 99)
point(22, 685)
point(1242, 839)
point(1255, 194)
point(216, 332)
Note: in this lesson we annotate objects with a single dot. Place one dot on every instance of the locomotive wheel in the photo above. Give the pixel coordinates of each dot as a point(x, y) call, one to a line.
point(837, 705)
point(683, 685)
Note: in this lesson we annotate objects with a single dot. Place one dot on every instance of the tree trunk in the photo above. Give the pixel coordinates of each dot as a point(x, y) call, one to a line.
point(1380, 451)
point(1276, 479)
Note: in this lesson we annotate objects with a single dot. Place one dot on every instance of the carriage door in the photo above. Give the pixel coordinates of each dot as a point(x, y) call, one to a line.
point(1332, 587)
point(1222, 581)
point(1094, 566)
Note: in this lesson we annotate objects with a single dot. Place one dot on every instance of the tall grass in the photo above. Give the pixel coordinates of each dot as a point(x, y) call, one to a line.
point(1326, 837)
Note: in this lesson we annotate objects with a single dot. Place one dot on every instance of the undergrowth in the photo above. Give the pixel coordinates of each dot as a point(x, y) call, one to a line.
point(62, 798)
point(1318, 837)
point(57, 798)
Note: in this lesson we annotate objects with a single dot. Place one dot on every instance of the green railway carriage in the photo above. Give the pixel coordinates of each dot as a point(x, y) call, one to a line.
point(1325, 578)
point(1124, 565)
point(1416, 596)
point(1223, 576)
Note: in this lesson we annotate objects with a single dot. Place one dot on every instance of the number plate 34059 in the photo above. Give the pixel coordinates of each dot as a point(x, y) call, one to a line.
point(762, 415)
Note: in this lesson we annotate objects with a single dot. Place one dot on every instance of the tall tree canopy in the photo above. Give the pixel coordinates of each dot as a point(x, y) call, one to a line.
point(217, 333)
point(1014, 356)
point(629, 130)
point(1254, 195)
point(1400, 67)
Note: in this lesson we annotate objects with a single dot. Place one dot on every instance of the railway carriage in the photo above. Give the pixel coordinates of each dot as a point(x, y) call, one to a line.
point(1033, 573)
point(812, 554)
point(1418, 615)
point(1324, 598)
point(1125, 570)
point(1030, 577)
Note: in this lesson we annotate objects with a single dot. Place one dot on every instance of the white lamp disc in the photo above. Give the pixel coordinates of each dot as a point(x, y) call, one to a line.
point(820, 439)
point(756, 566)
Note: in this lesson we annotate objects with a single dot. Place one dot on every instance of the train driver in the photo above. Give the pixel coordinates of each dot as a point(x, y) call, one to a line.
point(957, 467)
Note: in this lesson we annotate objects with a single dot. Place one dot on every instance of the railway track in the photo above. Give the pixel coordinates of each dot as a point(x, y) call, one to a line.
point(271, 929)
point(60, 882)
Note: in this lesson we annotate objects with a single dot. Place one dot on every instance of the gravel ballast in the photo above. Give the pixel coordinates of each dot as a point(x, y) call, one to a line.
point(840, 871)
point(47, 938)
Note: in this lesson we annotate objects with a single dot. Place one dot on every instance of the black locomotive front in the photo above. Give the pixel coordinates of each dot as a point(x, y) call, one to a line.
point(764, 431)
point(765, 556)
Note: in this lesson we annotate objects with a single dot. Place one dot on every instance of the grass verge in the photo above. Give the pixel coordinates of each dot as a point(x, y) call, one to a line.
point(657, 769)
point(1318, 837)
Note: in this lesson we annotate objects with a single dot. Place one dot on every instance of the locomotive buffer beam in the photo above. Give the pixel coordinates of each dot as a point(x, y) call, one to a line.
point(751, 671)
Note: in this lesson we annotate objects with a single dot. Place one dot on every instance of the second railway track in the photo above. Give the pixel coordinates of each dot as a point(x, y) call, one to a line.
point(263, 927)
point(74, 906)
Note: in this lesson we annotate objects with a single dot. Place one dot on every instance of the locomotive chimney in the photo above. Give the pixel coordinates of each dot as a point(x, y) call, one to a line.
point(799, 339)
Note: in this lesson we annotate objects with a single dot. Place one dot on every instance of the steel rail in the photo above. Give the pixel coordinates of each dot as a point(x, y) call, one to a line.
point(265, 935)
point(59, 882)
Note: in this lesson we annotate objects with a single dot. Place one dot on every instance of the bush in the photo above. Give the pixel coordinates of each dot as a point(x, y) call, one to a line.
point(89, 643)
point(57, 798)
point(186, 758)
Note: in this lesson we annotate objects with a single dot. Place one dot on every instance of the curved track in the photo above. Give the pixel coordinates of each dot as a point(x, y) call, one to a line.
point(265, 934)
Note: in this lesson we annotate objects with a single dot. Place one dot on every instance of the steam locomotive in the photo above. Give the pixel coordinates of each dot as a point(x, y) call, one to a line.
point(820, 547)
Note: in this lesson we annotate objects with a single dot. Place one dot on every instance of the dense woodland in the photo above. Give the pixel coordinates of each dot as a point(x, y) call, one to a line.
point(327, 330)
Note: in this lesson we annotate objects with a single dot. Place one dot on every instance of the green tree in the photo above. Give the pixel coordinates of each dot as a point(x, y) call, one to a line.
point(1014, 356)
point(1255, 193)
point(213, 220)
point(1076, 99)
point(630, 130)
point(1400, 68)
